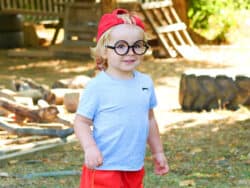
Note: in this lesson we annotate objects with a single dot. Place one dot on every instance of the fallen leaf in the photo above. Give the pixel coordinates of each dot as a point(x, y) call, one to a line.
point(247, 162)
point(195, 150)
point(62, 181)
point(12, 162)
point(186, 183)
point(4, 174)
point(215, 129)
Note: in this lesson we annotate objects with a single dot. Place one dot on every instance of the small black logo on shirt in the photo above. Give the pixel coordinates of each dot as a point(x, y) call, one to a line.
point(144, 89)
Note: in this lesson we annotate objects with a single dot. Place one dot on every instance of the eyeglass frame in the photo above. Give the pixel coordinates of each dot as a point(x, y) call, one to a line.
point(129, 46)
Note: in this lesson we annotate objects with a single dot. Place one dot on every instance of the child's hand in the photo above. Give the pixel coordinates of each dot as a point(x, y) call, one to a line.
point(93, 157)
point(160, 163)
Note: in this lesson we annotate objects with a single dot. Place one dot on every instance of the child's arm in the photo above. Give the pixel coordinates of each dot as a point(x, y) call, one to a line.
point(157, 150)
point(93, 156)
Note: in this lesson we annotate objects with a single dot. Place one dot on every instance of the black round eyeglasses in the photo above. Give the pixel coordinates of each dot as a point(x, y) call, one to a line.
point(122, 47)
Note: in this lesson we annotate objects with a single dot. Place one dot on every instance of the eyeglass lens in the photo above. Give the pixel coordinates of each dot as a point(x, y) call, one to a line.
point(121, 47)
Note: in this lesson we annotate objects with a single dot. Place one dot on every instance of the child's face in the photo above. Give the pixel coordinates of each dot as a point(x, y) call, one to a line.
point(120, 62)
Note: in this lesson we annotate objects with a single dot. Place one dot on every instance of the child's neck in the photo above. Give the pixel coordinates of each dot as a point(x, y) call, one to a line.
point(121, 75)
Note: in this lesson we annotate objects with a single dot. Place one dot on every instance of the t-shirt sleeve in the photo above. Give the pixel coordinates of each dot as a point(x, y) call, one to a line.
point(88, 102)
point(153, 99)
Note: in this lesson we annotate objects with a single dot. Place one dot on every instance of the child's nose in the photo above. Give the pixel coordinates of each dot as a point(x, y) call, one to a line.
point(130, 51)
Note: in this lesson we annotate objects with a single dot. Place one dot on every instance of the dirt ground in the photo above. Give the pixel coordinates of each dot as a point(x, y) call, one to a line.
point(233, 59)
point(166, 73)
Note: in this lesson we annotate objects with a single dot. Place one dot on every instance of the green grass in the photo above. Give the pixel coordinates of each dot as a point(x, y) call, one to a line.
point(215, 155)
point(201, 157)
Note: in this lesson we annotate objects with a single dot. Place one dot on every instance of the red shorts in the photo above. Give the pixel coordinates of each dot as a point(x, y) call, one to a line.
point(111, 179)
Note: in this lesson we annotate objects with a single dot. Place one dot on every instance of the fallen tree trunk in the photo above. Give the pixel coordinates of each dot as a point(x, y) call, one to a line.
point(214, 89)
point(48, 114)
point(15, 129)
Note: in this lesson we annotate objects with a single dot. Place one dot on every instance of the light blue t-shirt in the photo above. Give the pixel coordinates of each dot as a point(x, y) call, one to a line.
point(119, 111)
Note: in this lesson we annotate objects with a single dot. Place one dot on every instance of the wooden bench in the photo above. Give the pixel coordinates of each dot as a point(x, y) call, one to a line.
point(38, 10)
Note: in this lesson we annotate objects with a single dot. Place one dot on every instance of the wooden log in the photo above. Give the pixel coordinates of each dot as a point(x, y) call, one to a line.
point(226, 92)
point(243, 85)
point(42, 103)
point(71, 101)
point(27, 84)
point(34, 94)
point(61, 92)
point(64, 122)
point(77, 82)
point(27, 101)
point(48, 114)
point(35, 131)
point(214, 89)
point(7, 93)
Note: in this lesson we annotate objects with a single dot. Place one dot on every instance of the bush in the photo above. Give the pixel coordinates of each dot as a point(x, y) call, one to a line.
point(215, 18)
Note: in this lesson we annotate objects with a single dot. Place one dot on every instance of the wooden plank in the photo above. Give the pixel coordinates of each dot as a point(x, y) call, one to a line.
point(1, 4)
point(51, 143)
point(169, 35)
point(32, 6)
point(82, 29)
point(186, 35)
point(168, 27)
point(20, 3)
point(171, 28)
point(172, 22)
point(158, 4)
point(79, 43)
point(153, 25)
point(30, 12)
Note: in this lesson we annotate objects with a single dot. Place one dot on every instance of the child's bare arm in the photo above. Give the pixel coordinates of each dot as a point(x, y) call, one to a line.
point(93, 156)
point(156, 147)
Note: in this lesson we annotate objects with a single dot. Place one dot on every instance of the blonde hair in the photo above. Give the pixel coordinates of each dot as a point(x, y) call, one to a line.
point(98, 51)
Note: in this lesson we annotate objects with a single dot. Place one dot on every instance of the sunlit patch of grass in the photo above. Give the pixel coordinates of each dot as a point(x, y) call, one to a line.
point(203, 158)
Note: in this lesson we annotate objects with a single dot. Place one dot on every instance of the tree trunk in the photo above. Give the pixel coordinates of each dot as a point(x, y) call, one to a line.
point(181, 7)
point(206, 92)
point(108, 5)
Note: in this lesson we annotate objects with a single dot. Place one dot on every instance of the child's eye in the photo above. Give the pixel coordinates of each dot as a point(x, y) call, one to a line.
point(138, 46)
point(121, 46)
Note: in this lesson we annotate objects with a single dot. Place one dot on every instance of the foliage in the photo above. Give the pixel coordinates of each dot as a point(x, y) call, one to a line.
point(219, 15)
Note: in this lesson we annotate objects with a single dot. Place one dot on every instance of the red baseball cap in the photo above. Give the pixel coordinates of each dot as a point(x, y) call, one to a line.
point(111, 19)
